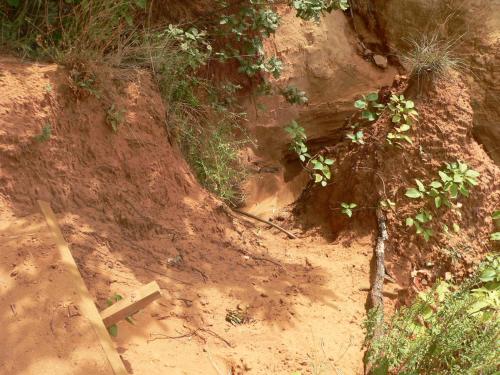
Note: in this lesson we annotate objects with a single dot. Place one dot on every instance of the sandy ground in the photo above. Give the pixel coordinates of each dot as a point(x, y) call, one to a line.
point(132, 212)
point(43, 331)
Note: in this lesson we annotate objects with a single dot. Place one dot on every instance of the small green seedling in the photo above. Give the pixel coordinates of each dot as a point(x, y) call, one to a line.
point(294, 96)
point(387, 204)
point(419, 221)
point(113, 330)
point(403, 115)
point(370, 107)
point(115, 117)
point(347, 208)
point(88, 84)
point(45, 135)
point(321, 167)
point(356, 137)
point(320, 170)
point(299, 138)
point(455, 227)
point(457, 178)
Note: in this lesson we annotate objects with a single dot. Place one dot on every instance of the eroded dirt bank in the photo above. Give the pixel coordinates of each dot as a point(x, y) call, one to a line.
point(132, 212)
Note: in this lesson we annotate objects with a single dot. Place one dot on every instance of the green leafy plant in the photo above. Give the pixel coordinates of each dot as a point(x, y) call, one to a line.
point(294, 96)
point(299, 138)
point(419, 221)
point(314, 9)
point(403, 115)
point(115, 117)
point(321, 169)
point(370, 107)
point(450, 329)
point(318, 166)
point(193, 44)
point(356, 137)
point(456, 179)
point(387, 204)
point(45, 135)
point(84, 81)
point(113, 329)
point(347, 208)
point(253, 22)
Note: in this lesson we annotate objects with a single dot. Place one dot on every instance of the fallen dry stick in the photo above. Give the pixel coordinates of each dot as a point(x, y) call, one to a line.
point(291, 235)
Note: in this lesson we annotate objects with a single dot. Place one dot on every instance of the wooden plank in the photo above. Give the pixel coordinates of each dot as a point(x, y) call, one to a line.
point(87, 306)
point(131, 304)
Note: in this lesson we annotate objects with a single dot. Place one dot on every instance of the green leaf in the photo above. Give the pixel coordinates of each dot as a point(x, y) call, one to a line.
point(496, 215)
point(438, 201)
point(113, 330)
point(360, 104)
point(453, 191)
point(436, 184)
point(427, 233)
point(456, 228)
point(409, 104)
point(413, 193)
point(13, 3)
point(495, 236)
point(488, 274)
point(444, 176)
point(370, 116)
point(318, 177)
point(404, 128)
point(409, 222)
point(472, 173)
point(396, 118)
point(372, 97)
point(329, 161)
point(420, 185)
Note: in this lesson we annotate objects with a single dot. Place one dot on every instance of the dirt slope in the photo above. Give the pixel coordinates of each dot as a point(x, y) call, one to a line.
point(132, 212)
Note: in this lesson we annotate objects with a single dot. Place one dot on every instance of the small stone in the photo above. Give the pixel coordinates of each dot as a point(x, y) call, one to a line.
point(380, 61)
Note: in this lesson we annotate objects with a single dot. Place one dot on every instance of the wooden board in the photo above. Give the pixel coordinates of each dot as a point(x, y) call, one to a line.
point(131, 304)
point(87, 306)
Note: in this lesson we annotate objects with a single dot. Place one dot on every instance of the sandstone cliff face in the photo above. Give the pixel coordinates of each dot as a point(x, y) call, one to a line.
point(323, 60)
point(475, 22)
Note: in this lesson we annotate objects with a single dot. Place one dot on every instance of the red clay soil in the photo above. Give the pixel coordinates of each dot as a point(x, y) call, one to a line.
point(365, 172)
point(132, 212)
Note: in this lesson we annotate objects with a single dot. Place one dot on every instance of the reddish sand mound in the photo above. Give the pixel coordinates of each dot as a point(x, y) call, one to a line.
point(132, 212)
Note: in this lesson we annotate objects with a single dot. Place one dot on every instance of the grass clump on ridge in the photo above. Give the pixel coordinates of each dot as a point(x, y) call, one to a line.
point(432, 56)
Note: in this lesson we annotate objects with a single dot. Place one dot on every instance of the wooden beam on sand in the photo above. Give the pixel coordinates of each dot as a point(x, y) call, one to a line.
point(86, 304)
point(131, 304)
